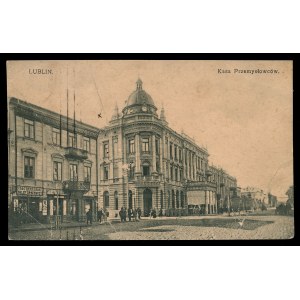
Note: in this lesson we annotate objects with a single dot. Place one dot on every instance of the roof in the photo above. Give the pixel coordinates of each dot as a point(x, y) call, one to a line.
point(139, 96)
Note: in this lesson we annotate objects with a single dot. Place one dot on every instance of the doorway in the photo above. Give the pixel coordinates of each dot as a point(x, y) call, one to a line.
point(130, 199)
point(147, 196)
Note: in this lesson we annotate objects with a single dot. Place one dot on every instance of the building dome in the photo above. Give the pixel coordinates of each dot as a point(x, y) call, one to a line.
point(139, 96)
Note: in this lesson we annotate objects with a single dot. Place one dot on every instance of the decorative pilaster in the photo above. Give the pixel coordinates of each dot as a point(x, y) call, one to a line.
point(153, 155)
point(137, 153)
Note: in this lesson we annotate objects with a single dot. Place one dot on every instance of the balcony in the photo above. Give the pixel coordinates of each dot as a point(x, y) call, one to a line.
point(72, 185)
point(75, 153)
point(149, 181)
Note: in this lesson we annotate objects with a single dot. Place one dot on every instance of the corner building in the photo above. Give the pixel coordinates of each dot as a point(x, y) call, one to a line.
point(52, 164)
point(146, 164)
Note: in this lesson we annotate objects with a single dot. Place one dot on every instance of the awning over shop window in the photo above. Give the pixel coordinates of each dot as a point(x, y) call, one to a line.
point(90, 194)
point(54, 193)
point(196, 197)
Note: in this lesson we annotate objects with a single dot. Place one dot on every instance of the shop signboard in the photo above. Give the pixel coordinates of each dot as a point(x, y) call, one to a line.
point(31, 191)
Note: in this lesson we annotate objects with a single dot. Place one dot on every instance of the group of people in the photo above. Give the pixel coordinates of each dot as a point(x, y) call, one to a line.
point(101, 216)
point(131, 214)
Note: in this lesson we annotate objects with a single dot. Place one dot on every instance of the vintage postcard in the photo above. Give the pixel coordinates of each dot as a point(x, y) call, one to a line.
point(150, 150)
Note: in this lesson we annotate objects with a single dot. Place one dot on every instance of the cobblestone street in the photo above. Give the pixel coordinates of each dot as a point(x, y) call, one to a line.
point(185, 228)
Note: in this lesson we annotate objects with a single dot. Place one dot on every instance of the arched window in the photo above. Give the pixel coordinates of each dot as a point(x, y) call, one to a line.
point(173, 199)
point(106, 199)
point(116, 200)
point(177, 199)
point(161, 199)
point(182, 199)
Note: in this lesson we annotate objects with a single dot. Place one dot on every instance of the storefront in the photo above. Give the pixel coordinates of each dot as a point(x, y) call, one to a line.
point(28, 204)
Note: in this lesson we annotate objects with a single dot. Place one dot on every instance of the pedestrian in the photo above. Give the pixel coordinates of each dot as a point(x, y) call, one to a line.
point(139, 212)
point(99, 216)
point(124, 214)
point(121, 214)
point(89, 217)
point(129, 214)
point(134, 215)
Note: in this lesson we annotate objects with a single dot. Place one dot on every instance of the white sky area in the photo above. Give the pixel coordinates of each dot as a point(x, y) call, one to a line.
point(244, 120)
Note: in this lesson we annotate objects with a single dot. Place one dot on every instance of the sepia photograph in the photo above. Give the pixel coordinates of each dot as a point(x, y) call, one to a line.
point(150, 150)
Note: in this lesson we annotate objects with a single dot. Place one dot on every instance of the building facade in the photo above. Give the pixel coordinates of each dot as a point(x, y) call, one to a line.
point(52, 164)
point(62, 167)
point(146, 164)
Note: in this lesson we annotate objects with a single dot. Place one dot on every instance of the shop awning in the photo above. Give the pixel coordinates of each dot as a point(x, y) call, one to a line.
point(90, 194)
point(195, 197)
point(54, 193)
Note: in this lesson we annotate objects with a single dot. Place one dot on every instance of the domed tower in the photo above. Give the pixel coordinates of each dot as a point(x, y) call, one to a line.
point(139, 101)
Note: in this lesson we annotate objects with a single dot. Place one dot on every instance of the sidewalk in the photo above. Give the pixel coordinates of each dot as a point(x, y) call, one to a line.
point(36, 226)
point(76, 224)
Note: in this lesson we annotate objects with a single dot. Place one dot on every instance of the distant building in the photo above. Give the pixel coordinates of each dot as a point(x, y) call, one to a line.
point(226, 187)
point(272, 200)
point(257, 197)
point(290, 194)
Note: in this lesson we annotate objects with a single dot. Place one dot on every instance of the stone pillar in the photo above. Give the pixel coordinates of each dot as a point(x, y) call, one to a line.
point(216, 206)
point(64, 207)
point(183, 163)
point(187, 165)
point(195, 164)
point(168, 158)
point(153, 155)
point(206, 202)
point(137, 153)
point(161, 156)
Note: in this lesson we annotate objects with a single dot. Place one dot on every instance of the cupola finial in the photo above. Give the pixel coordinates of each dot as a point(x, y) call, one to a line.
point(139, 84)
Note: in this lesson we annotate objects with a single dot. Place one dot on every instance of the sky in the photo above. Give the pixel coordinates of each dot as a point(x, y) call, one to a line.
point(244, 120)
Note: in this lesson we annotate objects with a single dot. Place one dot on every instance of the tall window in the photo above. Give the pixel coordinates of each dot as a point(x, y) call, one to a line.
point(57, 171)
point(55, 136)
point(106, 199)
point(86, 144)
point(171, 171)
point(29, 129)
point(176, 174)
point(106, 150)
point(171, 151)
point(131, 171)
point(73, 172)
point(180, 155)
point(175, 150)
point(116, 200)
point(72, 140)
point(145, 145)
point(105, 172)
point(157, 146)
point(131, 146)
point(29, 167)
point(87, 174)
point(146, 171)
point(157, 166)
